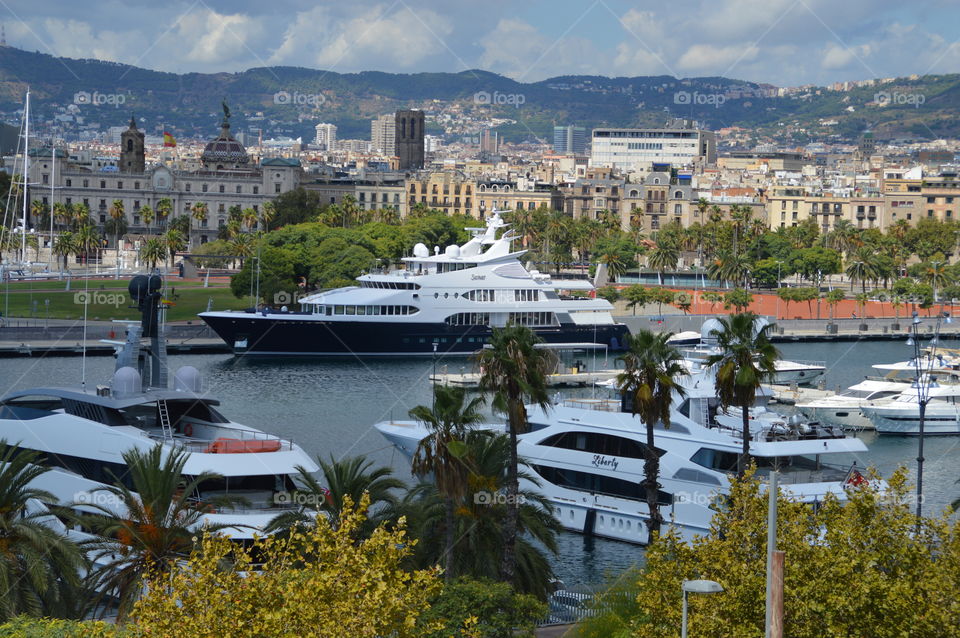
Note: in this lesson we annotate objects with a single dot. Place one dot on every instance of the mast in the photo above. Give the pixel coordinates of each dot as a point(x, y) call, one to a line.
point(53, 180)
point(26, 172)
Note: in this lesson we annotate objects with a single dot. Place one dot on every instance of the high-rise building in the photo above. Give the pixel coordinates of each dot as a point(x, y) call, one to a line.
point(383, 135)
point(570, 139)
point(639, 149)
point(326, 137)
point(132, 155)
point(489, 141)
point(408, 139)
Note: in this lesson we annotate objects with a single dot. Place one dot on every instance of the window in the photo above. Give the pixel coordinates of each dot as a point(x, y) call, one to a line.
point(119, 185)
point(136, 185)
point(526, 295)
point(595, 443)
point(480, 295)
point(256, 190)
point(239, 189)
point(187, 187)
point(468, 319)
point(532, 318)
point(69, 182)
point(103, 183)
point(86, 183)
point(276, 188)
point(204, 188)
point(598, 484)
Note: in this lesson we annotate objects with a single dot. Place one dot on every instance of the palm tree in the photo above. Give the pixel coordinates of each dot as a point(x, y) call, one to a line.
point(174, 242)
point(39, 567)
point(651, 369)
point(448, 421)
point(663, 257)
point(479, 522)
point(745, 360)
point(615, 264)
point(38, 211)
point(164, 208)
point(153, 250)
point(199, 213)
point(162, 515)
point(348, 478)
point(249, 218)
point(61, 215)
point(861, 268)
point(148, 216)
point(86, 239)
point(81, 216)
point(64, 246)
point(512, 368)
point(242, 246)
point(267, 214)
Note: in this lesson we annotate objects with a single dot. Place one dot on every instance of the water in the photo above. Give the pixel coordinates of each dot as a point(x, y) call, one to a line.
point(329, 407)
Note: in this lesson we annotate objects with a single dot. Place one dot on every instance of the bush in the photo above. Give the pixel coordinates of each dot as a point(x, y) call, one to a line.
point(24, 627)
point(483, 609)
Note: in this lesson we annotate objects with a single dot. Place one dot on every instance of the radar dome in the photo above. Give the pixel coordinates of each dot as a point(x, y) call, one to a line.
point(709, 326)
point(126, 382)
point(421, 250)
point(187, 379)
point(452, 251)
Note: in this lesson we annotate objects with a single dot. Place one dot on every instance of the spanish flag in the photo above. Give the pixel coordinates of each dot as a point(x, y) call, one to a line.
point(168, 140)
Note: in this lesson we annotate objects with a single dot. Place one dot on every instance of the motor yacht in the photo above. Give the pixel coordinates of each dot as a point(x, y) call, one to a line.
point(446, 302)
point(845, 409)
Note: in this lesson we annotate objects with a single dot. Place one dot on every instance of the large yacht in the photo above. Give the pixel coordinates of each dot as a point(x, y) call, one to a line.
point(846, 410)
point(82, 432)
point(588, 456)
point(445, 302)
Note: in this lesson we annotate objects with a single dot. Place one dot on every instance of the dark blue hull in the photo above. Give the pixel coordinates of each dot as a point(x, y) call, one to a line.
point(279, 334)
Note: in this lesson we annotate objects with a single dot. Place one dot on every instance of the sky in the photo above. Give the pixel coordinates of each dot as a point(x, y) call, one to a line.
point(779, 42)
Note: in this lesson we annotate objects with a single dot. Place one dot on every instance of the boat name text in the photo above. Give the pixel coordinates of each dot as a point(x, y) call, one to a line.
point(605, 461)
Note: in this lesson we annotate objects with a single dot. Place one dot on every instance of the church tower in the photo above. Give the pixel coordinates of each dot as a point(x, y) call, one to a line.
point(132, 154)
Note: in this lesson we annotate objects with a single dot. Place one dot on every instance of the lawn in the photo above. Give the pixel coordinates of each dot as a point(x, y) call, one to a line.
point(112, 302)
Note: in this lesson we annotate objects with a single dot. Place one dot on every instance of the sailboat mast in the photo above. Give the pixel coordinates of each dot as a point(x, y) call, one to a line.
point(26, 172)
point(53, 180)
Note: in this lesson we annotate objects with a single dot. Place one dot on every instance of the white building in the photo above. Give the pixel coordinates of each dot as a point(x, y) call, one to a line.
point(326, 137)
point(637, 149)
point(383, 132)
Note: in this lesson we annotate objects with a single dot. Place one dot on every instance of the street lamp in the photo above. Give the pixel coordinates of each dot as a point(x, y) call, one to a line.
point(696, 587)
point(923, 383)
point(433, 405)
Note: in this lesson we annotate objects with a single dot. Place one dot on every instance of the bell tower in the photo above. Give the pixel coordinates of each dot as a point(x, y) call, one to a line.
point(132, 154)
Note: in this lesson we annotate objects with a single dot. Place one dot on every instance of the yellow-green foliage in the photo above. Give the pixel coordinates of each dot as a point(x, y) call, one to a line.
point(318, 582)
point(852, 569)
point(24, 627)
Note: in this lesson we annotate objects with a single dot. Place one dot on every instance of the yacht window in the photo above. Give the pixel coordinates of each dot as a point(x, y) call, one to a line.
point(199, 410)
point(596, 443)
point(480, 295)
point(351, 310)
point(526, 295)
point(26, 408)
point(532, 318)
point(718, 460)
point(598, 484)
point(338, 310)
point(362, 310)
point(468, 319)
point(329, 310)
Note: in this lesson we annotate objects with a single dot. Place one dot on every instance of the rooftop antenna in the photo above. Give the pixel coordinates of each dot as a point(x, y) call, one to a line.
point(3, 35)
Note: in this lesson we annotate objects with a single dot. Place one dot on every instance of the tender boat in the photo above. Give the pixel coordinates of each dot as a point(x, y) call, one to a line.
point(445, 302)
point(82, 432)
point(588, 456)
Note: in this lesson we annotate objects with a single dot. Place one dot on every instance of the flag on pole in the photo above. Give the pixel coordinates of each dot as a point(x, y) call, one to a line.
point(168, 140)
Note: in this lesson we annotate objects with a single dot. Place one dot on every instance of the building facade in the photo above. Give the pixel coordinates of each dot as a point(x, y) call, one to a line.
point(326, 136)
point(408, 139)
point(638, 149)
point(570, 140)
point(383, 134)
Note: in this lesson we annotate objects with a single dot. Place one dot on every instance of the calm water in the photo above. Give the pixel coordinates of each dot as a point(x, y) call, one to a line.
point(329, 407)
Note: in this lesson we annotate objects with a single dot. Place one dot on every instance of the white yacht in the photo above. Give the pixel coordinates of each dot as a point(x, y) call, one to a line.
point(446, 302)
point(845, 409)
point(788, 372)
point(902, 414)
point(82, 432)
point(588, 455)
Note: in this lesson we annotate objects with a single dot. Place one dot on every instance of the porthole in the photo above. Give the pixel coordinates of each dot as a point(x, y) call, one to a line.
point(446, 295)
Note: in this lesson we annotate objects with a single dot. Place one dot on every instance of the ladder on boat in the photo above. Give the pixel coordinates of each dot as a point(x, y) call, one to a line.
point(164, 419)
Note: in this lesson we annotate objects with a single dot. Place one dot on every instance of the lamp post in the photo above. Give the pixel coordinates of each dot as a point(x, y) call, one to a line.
point(433, 405)
point(923, 382)
point(696, 587)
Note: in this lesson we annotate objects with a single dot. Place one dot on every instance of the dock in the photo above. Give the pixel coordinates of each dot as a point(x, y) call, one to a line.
point(95, 348)
point(557, 380)
point(791, 395)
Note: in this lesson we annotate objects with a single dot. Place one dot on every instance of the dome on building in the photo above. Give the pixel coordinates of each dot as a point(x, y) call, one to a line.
point(224, 151)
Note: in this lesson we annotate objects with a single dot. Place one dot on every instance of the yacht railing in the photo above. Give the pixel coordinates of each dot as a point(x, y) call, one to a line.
point(223, 433)
point(825, 473)
point(599, 405)
point(768, 435)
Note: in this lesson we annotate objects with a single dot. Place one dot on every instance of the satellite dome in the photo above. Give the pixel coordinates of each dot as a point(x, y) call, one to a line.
point(187, 379)
point(421, 250)
point(452, 251)
point(126, 382)
point(709, 326)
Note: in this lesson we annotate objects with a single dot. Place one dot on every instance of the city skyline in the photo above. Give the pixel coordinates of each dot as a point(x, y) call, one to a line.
point(739, 39)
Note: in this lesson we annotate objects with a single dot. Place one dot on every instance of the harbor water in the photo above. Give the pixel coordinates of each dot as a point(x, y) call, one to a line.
point(329, 407)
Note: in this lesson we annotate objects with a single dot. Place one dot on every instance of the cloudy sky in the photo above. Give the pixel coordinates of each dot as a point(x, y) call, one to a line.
point(781, 42)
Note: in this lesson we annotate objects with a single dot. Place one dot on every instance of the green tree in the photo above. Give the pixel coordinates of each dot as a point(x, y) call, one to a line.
point(745, 360)
point(64, 246)
point(737, 298)
point(610, 293)
point(164, 208)
point(651, 370)
point(514, 371)
point(496, 608)
point(636, 295)
point(663, 257)
point(834, 297)
point(158, 526)
point(439, 454)
point(153, 251)
point(39, 566)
